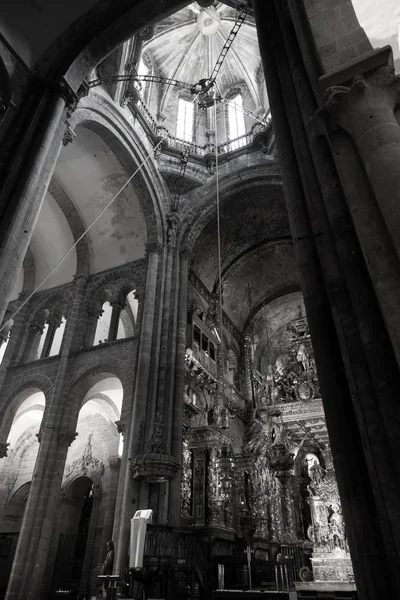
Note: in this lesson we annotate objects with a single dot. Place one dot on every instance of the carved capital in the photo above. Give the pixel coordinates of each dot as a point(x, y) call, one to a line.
point(4, 449)
point(360, 103)
point(80, 279)
point(114, 462)
point(153, 248)
point(172, 228)
point(68, 136)
point(121, 426)
point(65, 438)
point(156, 441)
point(154, 468)
point(63, 89)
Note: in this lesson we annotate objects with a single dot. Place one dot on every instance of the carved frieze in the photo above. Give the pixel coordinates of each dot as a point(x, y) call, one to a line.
point(154, 468)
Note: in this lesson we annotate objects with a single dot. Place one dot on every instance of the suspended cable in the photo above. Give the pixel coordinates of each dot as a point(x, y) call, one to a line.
point(219, 242)
point(80, 238)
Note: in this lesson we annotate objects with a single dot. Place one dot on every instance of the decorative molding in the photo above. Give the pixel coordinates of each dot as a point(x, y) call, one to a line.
point(121, 426)
point(156, 441)
point(114, 462)
point(68, 136)
point(86, 463)
point(153, 248)
point(4, 449)
point(154, 468)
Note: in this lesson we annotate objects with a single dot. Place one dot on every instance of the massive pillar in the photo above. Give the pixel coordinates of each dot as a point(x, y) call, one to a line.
point(135, 431)
point(329, 313)
point(56, 434)
point(360, 101)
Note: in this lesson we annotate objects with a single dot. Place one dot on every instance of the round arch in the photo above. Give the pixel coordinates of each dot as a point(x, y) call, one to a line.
point(201, 210)
point(16, 395)
point(75, 223)
point(100, 116)
point(84, 381)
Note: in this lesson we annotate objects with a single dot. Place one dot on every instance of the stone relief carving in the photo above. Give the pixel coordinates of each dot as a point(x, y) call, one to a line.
point(186, 481)
point(156, 441)
point(85, 463)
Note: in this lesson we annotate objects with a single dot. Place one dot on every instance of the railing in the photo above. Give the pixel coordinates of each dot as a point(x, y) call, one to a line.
point(236, 143)
point(184, 146)
point(146, 114)
point(231, 392)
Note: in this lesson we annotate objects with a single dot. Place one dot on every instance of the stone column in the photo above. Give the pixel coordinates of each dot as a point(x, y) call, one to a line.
point(35, 332)
point(94, 312)
point(18, 222)
point(248, 375)
point(55, 437)
point(291, 500)
point(114, 322)
point(177, 423)
point(364, 109)
point(199, 486)
point(368, 544)
point(372, 371)
point(112, 489)
point(54, 322)
point(36, 530)
point(136, 430)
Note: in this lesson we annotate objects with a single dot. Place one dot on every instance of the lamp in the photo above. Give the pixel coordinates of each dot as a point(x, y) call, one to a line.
point(208, 21)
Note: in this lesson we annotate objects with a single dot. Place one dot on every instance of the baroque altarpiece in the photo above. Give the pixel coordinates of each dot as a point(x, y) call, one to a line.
point(257, 466)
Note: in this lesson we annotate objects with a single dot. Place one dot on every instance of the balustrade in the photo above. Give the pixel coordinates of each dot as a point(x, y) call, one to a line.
point(146, 120)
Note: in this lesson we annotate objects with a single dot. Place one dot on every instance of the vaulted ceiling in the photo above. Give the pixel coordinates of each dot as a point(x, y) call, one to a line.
point(182, 52)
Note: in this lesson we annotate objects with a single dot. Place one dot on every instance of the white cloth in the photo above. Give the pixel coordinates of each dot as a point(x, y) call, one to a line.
point(138, 537)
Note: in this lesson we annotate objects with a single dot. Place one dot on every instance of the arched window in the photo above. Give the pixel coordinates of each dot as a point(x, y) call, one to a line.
point(117, 319)
point(144, 70)
point(184, 127)
point(51, 336)
point(236, 126)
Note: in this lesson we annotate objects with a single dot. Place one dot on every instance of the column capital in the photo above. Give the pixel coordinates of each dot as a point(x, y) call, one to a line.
point(121, 426)
point(69, 135)
point(63, 89)
point(153, 248)
point(173, 220)
point(354, 94)
point(114, 462)
point(64, 437)
point(67, 437)
point(4, 449)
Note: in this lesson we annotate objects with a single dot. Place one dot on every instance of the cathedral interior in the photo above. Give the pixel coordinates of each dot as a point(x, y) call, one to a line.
point(200, 266)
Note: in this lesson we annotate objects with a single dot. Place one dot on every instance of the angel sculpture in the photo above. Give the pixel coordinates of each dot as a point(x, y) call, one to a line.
point(258, 435)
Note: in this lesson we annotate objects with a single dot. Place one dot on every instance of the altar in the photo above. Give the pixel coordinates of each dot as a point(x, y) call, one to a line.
point(253, 595)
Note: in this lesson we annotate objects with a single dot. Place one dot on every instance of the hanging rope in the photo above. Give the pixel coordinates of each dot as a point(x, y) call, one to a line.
point(219, 240)
point(38, 287)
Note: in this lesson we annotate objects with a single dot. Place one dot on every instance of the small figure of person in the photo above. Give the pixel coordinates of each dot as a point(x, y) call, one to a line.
point(107, 568)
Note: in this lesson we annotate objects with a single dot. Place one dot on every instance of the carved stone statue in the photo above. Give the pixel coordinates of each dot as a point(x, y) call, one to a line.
point(302, 357)
point(258, 436)
point(108, 563)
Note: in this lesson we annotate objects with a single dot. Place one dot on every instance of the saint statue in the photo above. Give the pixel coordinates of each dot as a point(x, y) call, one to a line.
point(302, 357)
point(259, 435)
point(108, 563)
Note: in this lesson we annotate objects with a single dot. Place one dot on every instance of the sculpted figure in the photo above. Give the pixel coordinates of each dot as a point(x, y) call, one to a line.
point(108, 563)
point(258, 435)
